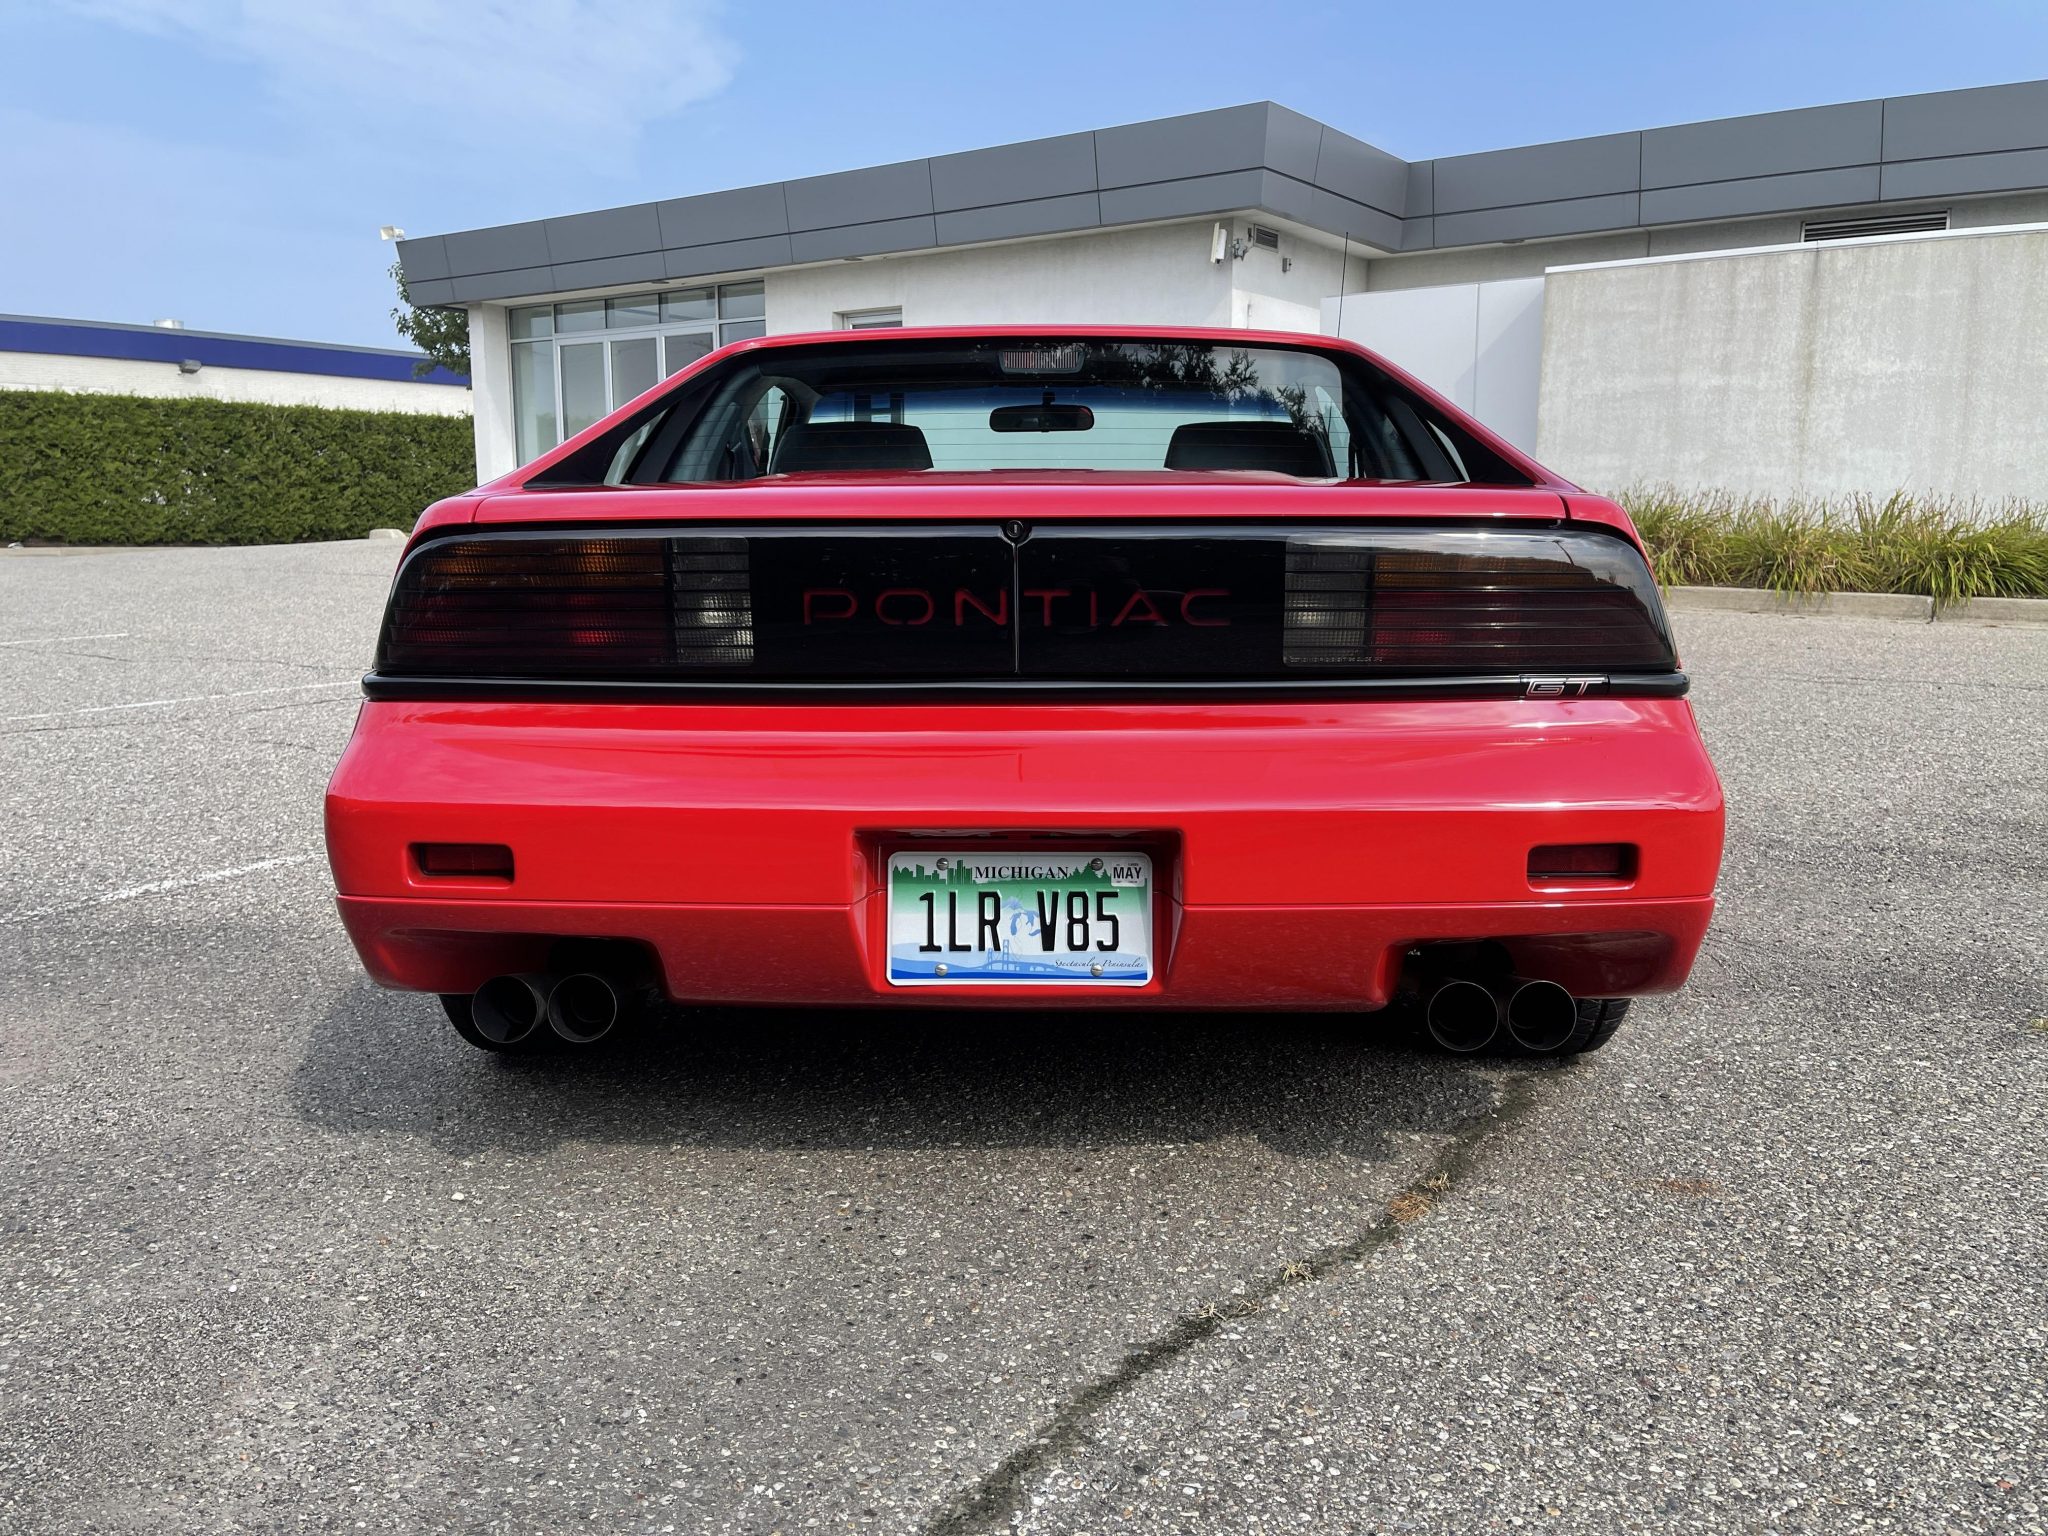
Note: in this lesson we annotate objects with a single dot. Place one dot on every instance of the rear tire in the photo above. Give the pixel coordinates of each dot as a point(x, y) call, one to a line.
point(457, 1006)
point(1599, 1018)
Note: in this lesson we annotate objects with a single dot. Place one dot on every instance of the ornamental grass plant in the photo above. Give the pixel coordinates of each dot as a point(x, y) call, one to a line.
point(1949, 549)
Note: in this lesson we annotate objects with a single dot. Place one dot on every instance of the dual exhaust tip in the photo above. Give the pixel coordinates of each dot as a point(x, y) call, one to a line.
point(580, 1008)
point(1467, 1016)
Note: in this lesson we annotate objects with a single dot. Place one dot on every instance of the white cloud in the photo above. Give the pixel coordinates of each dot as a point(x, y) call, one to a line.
point(592, 71)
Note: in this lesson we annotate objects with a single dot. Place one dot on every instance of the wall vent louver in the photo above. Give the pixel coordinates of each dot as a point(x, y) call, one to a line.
point(1874, 224)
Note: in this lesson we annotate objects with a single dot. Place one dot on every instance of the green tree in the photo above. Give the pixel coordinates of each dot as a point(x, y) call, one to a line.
point(443, 334)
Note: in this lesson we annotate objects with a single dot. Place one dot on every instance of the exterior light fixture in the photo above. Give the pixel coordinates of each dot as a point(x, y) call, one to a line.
point(1222, 244)
point(188, 365)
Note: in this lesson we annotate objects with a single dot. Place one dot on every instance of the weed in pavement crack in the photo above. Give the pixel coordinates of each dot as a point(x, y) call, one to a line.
point(1003, 1491)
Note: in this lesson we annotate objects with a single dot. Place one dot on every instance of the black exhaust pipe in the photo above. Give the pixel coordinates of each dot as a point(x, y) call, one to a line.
point(508, 1009)
point(584, 1007)
point(1541, 1015)
point(1462, 1016)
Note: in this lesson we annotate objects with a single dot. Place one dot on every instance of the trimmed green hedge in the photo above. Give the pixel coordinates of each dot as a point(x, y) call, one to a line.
point(126, 469)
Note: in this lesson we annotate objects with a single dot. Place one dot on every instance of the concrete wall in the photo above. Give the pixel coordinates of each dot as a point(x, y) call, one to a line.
point(1479, 343)
point(1158, 275)
point(125, 376)
point(1915, 363)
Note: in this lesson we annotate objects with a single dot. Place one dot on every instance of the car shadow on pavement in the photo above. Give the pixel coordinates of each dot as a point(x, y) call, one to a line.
point(1307, 1085)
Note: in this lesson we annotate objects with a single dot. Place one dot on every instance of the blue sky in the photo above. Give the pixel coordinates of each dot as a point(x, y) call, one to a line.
point(228, 162)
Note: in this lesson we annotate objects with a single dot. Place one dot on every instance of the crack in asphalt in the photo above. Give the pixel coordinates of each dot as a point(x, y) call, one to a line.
point(1004, 1492)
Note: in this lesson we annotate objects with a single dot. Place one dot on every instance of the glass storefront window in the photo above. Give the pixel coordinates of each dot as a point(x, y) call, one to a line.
point(634, 368)
point(742, 301)
point(533, 398)
point(561, 385)
point(684, 305)
point(583, 385)
point(682, 349)
point(632, 314)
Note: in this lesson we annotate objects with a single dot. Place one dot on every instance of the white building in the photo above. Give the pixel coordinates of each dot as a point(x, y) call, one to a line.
point(168, 361)
point(1585, 297)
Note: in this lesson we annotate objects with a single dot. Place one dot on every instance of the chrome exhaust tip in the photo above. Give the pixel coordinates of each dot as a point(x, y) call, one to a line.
point(1462, 1016)
point(583, 1008)
point(508, 1009)
point(1541, 1015)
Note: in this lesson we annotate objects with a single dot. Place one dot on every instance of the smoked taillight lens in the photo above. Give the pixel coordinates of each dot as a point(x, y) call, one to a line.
point(1472, 601)
point(542, 607)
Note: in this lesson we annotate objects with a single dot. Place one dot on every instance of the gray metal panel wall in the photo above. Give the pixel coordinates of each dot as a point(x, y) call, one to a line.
point(1762, 194)
point(883, 192)
point(596, 236)
point(1542, 173)
point(1993, 117)
point(1171, 148)
point(1013, 221)
point(425, 259)
point(1768, 144)
point(1266, 158)
point(1014, 173)
point(746, 213)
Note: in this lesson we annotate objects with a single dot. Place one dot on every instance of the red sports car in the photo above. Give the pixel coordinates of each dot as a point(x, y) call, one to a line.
point(1127, 668)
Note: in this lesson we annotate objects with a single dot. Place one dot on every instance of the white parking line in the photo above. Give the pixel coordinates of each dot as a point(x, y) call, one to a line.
point(196, 698)
point(60, 639)
point(157, 888)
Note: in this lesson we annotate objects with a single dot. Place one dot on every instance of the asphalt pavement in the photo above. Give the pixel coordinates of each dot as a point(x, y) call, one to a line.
point(279, 1252)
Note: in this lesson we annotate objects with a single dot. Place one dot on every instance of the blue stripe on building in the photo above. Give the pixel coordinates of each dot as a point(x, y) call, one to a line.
point(161, 344)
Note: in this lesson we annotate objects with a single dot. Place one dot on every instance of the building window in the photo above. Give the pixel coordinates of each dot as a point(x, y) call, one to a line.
point(574, 363)
point(870, 319)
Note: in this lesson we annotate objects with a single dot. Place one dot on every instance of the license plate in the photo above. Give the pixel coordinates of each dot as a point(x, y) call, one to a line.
point(1033, 919)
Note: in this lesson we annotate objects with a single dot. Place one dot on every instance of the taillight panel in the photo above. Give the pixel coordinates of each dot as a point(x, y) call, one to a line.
point(1471, 601)
point(1058, 603)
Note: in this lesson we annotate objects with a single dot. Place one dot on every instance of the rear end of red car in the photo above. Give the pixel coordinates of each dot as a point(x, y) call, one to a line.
point(1026, 670)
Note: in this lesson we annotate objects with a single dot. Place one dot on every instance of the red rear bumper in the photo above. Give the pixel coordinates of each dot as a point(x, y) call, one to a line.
point(1299, 849)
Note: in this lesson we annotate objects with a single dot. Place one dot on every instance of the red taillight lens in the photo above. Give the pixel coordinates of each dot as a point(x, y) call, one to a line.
point(472, 861)
point(1472, 601)
point(1583, 861)
point(568, 607)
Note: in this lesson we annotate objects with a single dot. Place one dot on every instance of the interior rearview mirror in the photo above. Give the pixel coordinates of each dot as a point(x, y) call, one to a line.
point(1041, 418)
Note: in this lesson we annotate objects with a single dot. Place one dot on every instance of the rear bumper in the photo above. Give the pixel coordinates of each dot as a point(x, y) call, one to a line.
point(1299, 849)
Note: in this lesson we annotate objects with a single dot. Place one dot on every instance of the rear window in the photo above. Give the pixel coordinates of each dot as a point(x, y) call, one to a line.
point(1039, 404)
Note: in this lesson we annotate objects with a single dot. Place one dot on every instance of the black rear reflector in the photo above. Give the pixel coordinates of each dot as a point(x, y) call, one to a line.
point(463, 861)
point(873, 604)
point(1583, 861)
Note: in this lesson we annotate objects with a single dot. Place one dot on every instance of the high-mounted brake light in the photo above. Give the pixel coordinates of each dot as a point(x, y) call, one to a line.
point(1065, 358)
